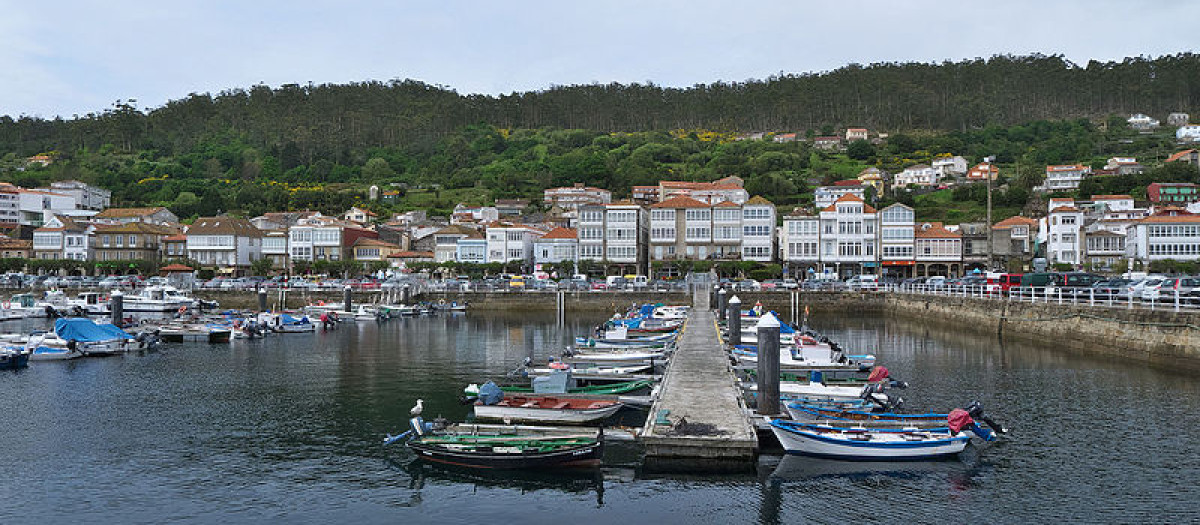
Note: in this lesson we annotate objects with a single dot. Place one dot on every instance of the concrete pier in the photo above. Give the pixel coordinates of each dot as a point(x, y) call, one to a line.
point(699, 422)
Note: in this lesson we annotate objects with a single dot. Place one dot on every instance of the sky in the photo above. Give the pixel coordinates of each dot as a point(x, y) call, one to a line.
point(72, 57)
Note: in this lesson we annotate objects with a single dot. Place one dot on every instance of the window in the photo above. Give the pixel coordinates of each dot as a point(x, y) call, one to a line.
point(756, 213)
point(698, 234)
point(591, 216)
point(662, 234)
point(761, 230)
point(662, 215)
point(133, 241)
point(697, 214)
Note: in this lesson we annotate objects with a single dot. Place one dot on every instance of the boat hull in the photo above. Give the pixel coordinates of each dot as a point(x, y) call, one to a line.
point(519, 414)
point(799, 440)
point(588, 455)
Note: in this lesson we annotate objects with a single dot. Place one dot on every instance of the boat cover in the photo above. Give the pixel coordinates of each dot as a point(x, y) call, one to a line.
point(490, 393)
point(959, 419)
point(88, 331)
point(287, 319)
point(878, 373)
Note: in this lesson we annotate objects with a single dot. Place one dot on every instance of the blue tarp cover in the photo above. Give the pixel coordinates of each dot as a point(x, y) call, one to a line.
point(87, 331)
point(287, 319)
point(490, 393)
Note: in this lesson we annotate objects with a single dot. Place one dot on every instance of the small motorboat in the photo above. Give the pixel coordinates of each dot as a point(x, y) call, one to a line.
point(609, 389)
point(13, 358)
point(286, 324)
point(885, 440)
point(502, 446)
point(492, 403)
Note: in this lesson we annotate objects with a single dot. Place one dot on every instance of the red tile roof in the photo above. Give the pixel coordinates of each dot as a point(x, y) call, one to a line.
point(680, 202)
point(934, 230)
point(1180, 155)
point(1016, 220)
point(1111, 197)
point(850, 197)
point(1064, 209)
point(850, 182)
point(560, 233)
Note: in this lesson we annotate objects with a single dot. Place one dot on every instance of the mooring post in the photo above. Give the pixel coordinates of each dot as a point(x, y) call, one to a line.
point(722, 295)
point(405, 294)
point(346, 298)
point(262, 299)
point(768, 364)
point(735, 321)
point(116, 304)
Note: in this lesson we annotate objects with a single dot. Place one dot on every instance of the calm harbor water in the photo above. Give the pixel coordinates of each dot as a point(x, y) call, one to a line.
point(287, 429)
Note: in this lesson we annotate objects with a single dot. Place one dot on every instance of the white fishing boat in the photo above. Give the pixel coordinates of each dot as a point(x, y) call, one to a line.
point(286, 324)
point(366, 313)
point(157, 299)
point(866, 442)
point(591, 369)
point(615, 356)
point(548, 408)
point(38, 348)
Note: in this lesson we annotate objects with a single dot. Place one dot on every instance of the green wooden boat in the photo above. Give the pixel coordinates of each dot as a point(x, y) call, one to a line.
point(623, 387)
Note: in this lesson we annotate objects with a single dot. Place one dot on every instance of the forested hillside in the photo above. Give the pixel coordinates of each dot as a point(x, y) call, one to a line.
point(319, 146)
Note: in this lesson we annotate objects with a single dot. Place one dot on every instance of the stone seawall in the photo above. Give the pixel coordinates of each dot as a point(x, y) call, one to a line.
point(1159, 337)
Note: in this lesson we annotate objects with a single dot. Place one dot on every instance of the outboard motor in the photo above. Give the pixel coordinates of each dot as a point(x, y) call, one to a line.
point(975, 409)
point(51, 312)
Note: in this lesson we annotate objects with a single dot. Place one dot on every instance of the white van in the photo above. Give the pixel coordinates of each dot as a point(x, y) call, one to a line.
point(863, 282)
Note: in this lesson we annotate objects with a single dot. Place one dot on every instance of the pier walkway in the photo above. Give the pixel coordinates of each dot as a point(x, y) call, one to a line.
point(699, 421)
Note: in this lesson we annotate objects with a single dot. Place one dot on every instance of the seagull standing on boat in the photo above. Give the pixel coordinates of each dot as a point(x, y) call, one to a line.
point(416, 410)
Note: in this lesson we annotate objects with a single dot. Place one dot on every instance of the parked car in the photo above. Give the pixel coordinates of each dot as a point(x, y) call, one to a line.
point(935, 282)
point(789, 284)
point(863, 282)
point(1110, 289)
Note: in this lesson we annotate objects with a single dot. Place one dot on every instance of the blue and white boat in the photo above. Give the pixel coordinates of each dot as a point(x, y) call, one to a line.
point(90, 337)
point(287, 324)
point(863, 442)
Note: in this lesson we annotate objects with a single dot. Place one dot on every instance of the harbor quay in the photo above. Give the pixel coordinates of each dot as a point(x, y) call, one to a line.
point(1161, 337)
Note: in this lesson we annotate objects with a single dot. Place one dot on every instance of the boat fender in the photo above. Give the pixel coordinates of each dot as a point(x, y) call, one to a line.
point(441, 301)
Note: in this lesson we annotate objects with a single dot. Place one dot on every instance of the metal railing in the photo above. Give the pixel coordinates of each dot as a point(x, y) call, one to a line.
point(1174, 300)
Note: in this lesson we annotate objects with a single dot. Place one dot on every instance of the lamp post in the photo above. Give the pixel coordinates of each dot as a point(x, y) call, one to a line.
point(988, 177)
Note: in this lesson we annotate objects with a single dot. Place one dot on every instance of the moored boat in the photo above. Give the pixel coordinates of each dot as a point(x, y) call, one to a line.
point(539, 408)
point(860, 443)
point(503, 446)
point(13, 358)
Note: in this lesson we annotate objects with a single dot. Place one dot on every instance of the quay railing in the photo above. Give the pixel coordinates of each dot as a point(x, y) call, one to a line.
point(1173, 300)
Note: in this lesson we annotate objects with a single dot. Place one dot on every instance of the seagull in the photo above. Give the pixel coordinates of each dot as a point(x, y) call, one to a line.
point(416, 410)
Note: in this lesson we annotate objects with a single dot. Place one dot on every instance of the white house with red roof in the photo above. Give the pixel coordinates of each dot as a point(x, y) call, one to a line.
point(938, 251)
point(1065, 177)
point(1060, 231)
point(508, 242)
point(1168, 234)
point(849, 234)
point(823, 196)
point(916, 175)
point(557, 245)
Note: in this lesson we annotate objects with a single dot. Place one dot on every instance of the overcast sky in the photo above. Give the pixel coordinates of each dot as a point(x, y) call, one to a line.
point(74, 57)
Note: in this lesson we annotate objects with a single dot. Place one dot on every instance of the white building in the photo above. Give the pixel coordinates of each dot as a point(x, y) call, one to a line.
point(897, 228)
point(1124, 165)
point(275, 247)
point(1065, 177)
point(823, 196)
point(359, 215)
point(853, 134)
point(227, 243)
point(471, 249)
point(799, 243)
point(86, 197)
point(955, 166)
point(1189, 133)
point(62, 238)
point(758, 230)
point(614, 233)
point(464, 214)
point(917, 175)
point(446, 239)
point(1165, 235)
point(937, 250)
point(510, 242)
point(1061, 232)
point(321, 238)
point(572, 197)
point(848, 237)
point(1141, 122)
point(557, 245)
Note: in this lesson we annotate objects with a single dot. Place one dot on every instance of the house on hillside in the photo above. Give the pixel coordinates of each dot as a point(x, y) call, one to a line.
point(916, 175)
point(853, 134)
point(1142, 122)
point(1189, 133)
point(1187, 156)
point(153, 215)
point(955, 166)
